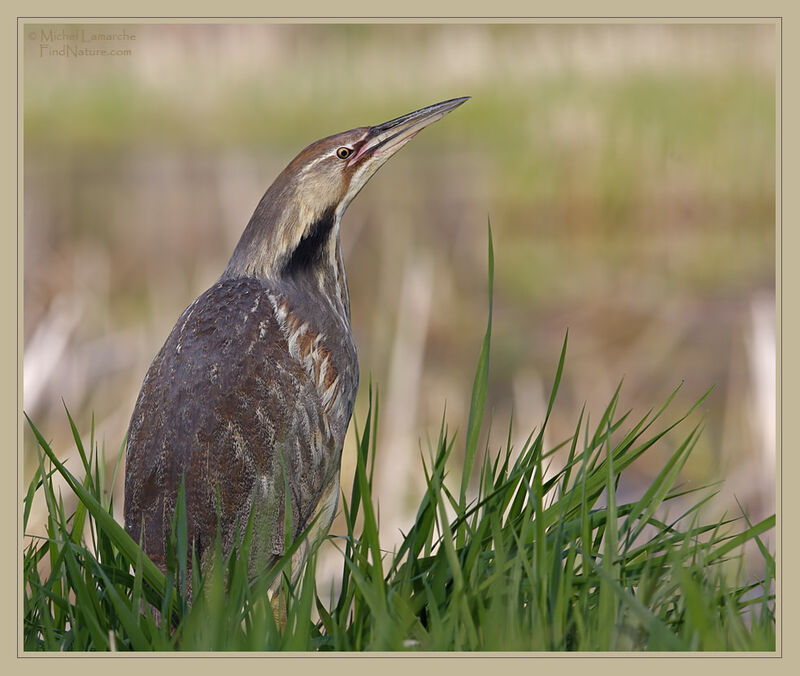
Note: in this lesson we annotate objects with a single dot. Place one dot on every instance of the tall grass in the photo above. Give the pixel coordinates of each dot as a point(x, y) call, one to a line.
point(525, 549)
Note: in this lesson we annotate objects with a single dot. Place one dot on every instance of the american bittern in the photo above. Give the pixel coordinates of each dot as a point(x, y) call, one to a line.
point(256, 381)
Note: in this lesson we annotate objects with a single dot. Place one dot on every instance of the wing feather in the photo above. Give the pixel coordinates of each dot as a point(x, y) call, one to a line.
point(260, 412)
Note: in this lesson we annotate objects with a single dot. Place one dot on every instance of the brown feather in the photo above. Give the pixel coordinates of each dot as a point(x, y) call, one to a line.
point(255, 404)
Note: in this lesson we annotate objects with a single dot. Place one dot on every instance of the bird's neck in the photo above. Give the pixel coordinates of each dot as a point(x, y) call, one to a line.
point(294, 247)
point(314, 272)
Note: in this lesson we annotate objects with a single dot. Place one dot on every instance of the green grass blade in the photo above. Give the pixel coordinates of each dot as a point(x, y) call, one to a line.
point(152, 575)
point(479, 385)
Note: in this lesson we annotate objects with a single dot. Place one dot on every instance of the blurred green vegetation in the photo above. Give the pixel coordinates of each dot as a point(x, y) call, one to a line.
point(628, 170)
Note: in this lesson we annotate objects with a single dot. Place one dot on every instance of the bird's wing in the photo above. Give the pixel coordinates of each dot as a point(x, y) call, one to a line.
point(225, 407)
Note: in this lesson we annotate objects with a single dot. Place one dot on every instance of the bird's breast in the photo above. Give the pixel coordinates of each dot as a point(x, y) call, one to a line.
point(319, 339)
point(253, 387)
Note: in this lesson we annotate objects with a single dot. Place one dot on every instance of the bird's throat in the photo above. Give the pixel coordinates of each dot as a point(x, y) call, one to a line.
point(294, 248)
point(314, 247)
point(314, 266)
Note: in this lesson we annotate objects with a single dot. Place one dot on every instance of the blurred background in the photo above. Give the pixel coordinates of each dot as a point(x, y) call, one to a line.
point(628, 172)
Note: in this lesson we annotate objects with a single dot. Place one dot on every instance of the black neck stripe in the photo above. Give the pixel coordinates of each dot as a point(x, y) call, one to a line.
point(308, 251)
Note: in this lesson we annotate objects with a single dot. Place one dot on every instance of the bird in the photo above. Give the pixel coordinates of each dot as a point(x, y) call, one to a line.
point(252, 392)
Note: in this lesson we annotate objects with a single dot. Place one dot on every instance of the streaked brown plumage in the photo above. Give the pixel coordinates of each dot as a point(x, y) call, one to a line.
point(260, 372)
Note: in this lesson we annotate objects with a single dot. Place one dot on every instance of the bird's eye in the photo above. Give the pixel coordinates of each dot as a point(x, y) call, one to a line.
point(343, 153)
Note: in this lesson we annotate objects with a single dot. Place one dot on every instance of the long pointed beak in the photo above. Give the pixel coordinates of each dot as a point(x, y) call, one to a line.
point(387, 138)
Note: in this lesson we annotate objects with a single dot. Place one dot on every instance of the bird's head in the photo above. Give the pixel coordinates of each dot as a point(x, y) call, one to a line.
point(295, 226)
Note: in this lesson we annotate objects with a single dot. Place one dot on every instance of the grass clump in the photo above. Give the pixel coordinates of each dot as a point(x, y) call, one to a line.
point(543, 558)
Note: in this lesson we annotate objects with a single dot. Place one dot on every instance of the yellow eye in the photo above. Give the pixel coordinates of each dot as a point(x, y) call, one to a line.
point(343, 153)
